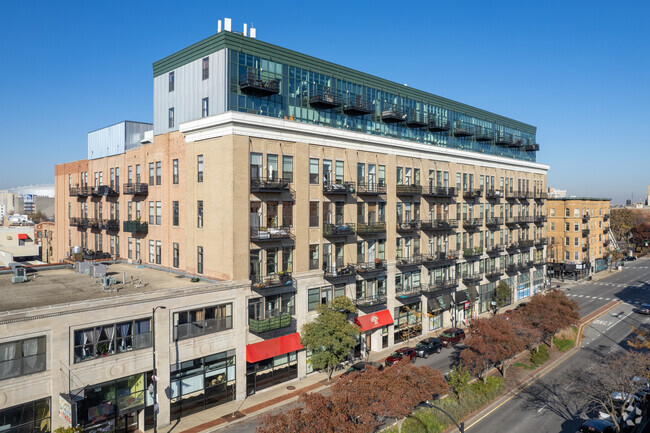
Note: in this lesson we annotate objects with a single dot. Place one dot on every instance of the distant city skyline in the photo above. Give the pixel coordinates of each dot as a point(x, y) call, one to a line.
point(576, 73)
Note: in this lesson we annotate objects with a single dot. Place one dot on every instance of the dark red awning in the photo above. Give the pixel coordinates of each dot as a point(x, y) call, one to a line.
point(276, 346)
point(374, 320)
point(22, 236)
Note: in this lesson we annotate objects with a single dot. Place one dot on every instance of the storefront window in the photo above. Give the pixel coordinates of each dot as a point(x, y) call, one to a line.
point(408, 321)
point(269, 372)
point(32, 417)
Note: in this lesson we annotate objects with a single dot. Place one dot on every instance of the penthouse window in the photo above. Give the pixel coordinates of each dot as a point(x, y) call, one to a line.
point(22, 357)
point(206, 68)
point(202, 321)
point(105, 340)
point(171, 81)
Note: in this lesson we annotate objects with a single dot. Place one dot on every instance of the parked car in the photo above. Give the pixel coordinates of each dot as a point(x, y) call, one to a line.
point(629, 258)
point(428, 346)
point(618, 399)
point(452, 336)
point(642, 309)
point(362, 366)
point(403, 354)
point(597, 426)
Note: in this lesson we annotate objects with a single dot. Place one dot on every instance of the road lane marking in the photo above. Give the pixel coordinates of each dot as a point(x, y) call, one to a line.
point(619, 320)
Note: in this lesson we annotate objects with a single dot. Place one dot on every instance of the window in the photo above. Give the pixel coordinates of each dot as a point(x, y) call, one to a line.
point(323, 295)
point(206, 68)
point(174, 172)
point(158, 173)
point(287, 168)
point(552, 212)
point(158, 252)
point(205, 107)
point(199, 260)
point(171, 81)
point(199, 168)
point(111, 339)
point(576, 227)
point(576, 213)
point(176, 254)
point(313, 170)
point(175, 213)
point(137, 249)
point(33, 416)
point(151, 174)
point(313, 257)
point(158, 213)
point(576, 242)
point(313, 214)
point(152, 251)
point(129, 245)
point(272, 167)
point(151, 213)
point(22, 357)
point(199, 213)
point(201, 321)
point(171, 118)
point(576, 255)
point(567, 227)
point(567, 241)
point(552, 226)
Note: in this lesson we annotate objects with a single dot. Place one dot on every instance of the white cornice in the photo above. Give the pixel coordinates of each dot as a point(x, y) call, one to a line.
point(236, 123)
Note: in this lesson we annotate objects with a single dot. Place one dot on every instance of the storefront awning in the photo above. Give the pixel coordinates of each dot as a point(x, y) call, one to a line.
point(374, 320)
point(461, 297)
point(276, 346)
point(23, 236)
point(433, 305)
point(473, 294)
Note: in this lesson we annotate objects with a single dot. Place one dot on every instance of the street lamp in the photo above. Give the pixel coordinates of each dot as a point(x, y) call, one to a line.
point(154, 378)
point(460, 427)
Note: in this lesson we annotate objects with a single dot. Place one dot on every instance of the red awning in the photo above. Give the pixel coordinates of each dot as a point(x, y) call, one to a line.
point(22, 236)
point(273, 347)
point(374, 320)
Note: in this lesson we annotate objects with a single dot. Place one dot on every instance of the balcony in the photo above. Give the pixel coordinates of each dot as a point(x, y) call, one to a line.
point(80, 191)
point(408, 226)
point(585, 233)
point(472, 194)
point(527, 264)
point(539, 262)
point(371, 269)
point(409, 190)
point(338, 230)
point(525, 219)
point(438, 124)
point(281, 279)
point(371, 189)
point(271, 185)
point(325, 100)
point(531, 147)
point(495, 250)
point(493, 194)
point(79, 222)
point(252, 84)
point(513, 268)
point(606, 217)
point(585, 248)
point(414, 260)
point(512, 220)
point(495, 272)
point(135, 227)
point(471, 279)
point(374, 228)
point(472, 253)
point(606, 230)
point(393, 115)
point(135, 188)
point(95, 224)
point(104, 191)
point(539, 243)
point(512, 195)
point(338, 187)
point(415, 119)
point(439, 259)
point(402, 292)
point(503, 139)
point(355, 105)
point(540, 195)
point(606, 242)
point(439, 225)
point(440, 192)
point(472, 223)
point(271, 234)
point(462, 129)
point(370, 301)
point(516, 142)
point(259, 326)
point(484, 134)
point(540, 219)
point(440, 284)
point(493, 223)
point(585, 218)
point(111, 225)
point(512, 247)
point(527, 243)
point(334, 272)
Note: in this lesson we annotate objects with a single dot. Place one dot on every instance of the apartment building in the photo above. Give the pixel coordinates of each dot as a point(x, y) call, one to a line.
point(578, 234)
point(307, 180)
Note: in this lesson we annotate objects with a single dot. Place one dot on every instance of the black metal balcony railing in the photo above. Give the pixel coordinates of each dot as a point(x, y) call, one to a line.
point(531, 147)
point(494, 249)
point(272, 184)
point(539, 262)
point(540, 195)
point(439, 225)
point(325, 100)
point(135, 227)
point(516, 142)
point(95, 224)
point(539, 243)
point(373, 228)
point(270, 234)
point(440, 284)
point(409, 190)
point(415, 119)
point(135, 188)
point(472, 194)
point(440, 192)
point(493, 223)
point(371, 268)
point(402, 291)
point(438, 124)
point(408, 226)
point(355, 105)
point(585, 233)
point(80, 191)
point(512, 220)
point(271, 281)
point(484, 134)
point(513, 267)
point(606, 242)
point(414, 260)
point(606, 230)
point(260, 325)
point(526, 243)
point(525, 219)
point(462, 129)
point(371, 189)
point(472, 253)
point(494, 272)
point(111, 225)
point(339, 271)
point(585, 218)
point(370, 301)
point(338, 187)
point(514, 246)
point(503, 139)
point(528, 264)
point(104, 191)
point(511, 195)
point(79, 222)
point(439, 259)
point(472, 223)
point(393, 115)
point(606, 217)
point(493, 194)
point(472, 278)
point(336, 230)
point(540, 219)
point(252, 84)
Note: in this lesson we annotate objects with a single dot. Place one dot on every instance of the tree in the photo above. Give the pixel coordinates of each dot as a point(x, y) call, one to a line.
point(37, 217)
point(550, 312)
point(330, 337)
point(503, 294)
point(640, 338)
point(459, 379)
point(529, 335)
point(622, 221)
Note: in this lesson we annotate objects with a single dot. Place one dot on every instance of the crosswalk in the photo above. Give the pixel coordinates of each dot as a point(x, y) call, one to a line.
point(624, 286)
point(602, 298)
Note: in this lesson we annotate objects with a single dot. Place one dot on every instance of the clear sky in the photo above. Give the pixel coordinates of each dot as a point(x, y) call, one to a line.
point(577, 70)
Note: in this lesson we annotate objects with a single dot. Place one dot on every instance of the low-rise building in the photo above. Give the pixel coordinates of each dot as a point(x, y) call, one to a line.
point(18, 243)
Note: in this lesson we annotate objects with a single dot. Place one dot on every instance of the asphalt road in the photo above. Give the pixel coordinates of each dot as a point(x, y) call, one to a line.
point(625, 285)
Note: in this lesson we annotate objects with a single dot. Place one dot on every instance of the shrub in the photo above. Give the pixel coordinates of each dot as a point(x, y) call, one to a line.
point(539, 356)
point(567, 333)
point(563, 345)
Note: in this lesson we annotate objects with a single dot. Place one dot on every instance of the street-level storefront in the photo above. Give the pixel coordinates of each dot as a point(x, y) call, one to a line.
point(202, 383)
point(271, 362)
point(437, 304)
point(408, 322)
point(31, 417)
point(369, 324)
point(523, 286)
point(487, 297)
point(464, 306)
point(538, 280)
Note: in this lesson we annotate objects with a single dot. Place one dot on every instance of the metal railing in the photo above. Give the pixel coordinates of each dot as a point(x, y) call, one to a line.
point(371, 188)
point(443, 224)
point(370, 301)
point(406, 292)
point(333, 230)
point(408, 189)
point(268, 281)
point(339, 271)
point(268, 234)
point(135, 188)
point(368, 268)
point(282, 320)
point(266, 184)
point(407, 226)
point(135, 227)
point(371, 228)
point(338, 187)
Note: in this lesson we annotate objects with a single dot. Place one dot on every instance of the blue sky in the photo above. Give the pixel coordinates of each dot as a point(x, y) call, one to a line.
point(577, 70)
